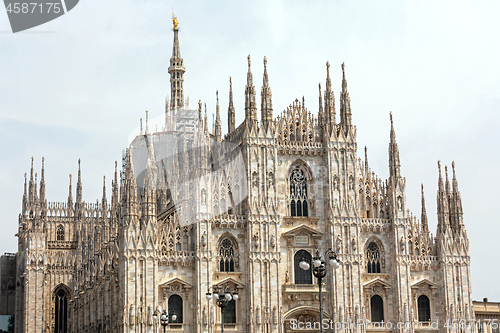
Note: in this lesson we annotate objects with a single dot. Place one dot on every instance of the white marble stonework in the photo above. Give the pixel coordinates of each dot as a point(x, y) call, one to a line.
point(111, 265)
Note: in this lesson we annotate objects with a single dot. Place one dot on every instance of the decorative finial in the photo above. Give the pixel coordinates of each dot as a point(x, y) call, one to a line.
point(453, 167)
point(343, 69)
point(265, 62)
point(319, 85)
point(327, 65)
point(439, 166)
point(174, 20)
point(217, 95)
point(390, 115)
point(248, 62)
point(230, 82)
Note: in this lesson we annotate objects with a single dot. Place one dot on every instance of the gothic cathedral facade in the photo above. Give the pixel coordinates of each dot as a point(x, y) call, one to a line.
point(107, 267)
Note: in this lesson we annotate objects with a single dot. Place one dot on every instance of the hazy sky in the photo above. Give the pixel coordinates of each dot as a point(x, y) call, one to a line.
point(76, 88)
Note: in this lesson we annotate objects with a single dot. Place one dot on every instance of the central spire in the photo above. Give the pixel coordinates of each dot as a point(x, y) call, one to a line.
point(176, 71)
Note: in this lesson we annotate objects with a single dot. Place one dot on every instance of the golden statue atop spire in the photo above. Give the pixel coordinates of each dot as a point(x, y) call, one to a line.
point(174, 20)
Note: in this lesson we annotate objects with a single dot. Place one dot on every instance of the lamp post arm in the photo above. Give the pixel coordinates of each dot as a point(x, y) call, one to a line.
point(331, 254)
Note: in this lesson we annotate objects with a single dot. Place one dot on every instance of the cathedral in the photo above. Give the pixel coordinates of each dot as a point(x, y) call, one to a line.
point(192, 210)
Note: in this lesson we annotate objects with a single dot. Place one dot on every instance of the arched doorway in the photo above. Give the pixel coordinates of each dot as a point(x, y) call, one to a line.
point(304, 319)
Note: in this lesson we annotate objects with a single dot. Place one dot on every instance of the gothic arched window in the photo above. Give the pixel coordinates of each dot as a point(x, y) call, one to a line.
point(373, 258)
point(230, 313)
point(302, 276)
point(298, 193)
point(175, 303)
point(61, 311)
point(60, 233)
point(226, 255)
point(377, 309)
point(424, 308)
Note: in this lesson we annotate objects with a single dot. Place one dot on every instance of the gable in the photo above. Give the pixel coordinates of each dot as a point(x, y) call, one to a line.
point(229, 281)
point(175, 284)
point(424, 283)
point(377, 282)
point(302, 229)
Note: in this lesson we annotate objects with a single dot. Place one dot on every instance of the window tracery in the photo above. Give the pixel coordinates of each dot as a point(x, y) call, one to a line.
point(61, 311)
point(298, 193)
point(227, 255)
point(60, 233)
point(373, 258)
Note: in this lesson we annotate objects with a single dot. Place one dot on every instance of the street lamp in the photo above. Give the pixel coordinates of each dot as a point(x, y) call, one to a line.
point(319, 271)
point(165, 317)
point(222, 296)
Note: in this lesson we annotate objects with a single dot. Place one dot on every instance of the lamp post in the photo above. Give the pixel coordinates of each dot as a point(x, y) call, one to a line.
point(165, 317)
point(222, 296)
point(319, 271)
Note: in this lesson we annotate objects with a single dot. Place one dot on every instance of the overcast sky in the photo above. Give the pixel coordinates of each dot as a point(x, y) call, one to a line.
point(77, 86)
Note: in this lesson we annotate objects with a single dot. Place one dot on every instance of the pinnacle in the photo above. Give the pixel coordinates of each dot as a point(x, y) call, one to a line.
point(79, 171)
point(31, 176)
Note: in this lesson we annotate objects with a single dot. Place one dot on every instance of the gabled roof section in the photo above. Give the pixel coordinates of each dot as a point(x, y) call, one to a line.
point(424, 282)
point(176, 280)
point(229, 280)
point(376, 281)
point(302, 228)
